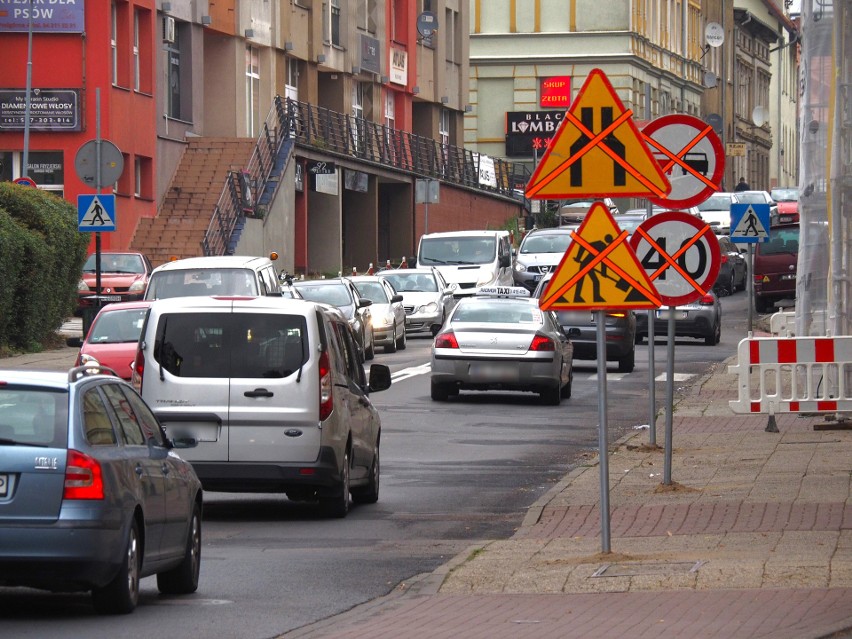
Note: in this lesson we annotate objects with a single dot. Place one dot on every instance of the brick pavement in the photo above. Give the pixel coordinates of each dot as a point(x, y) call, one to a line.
point(752, 539)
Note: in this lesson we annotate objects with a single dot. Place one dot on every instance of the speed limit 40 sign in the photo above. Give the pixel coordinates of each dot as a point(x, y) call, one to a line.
point(680, 255)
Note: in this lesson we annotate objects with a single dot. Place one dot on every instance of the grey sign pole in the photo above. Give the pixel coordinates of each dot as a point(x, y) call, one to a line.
point(670, 353)
point(98, 191)
point(603, 435)
point(652, 374)
point(750, 288)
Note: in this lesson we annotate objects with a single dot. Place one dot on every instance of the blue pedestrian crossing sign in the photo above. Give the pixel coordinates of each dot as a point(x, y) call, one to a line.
point(749, 223)
point(96, 212)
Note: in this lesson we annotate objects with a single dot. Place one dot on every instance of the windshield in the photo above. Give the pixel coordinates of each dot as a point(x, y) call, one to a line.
point(116, 263)
point(457, 250)
point(628, 224)
point(334, 294)
point(782, 240)
point(550, 243)
point(784, 195)
point(197, 282)
point(373, 291)
point(752, 198)
point(117, 327)
point(422, 282)
point(716, 203)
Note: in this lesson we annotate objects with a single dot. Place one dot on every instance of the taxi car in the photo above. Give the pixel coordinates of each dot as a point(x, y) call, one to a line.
point(93, 496)
point(499, 339)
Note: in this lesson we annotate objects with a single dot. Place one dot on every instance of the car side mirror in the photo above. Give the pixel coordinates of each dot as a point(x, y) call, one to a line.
point(364, 302)
point(380, 377)
point(396, 298)
point(505, 260)
point(74, 342)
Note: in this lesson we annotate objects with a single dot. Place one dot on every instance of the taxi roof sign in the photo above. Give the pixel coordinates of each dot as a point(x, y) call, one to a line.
point(502, 291)
point(599, 270)
point(597, 151)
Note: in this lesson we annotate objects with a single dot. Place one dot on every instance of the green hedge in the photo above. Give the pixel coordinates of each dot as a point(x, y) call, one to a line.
point(41, 259)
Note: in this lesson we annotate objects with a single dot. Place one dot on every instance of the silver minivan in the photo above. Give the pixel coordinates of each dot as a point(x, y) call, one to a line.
point(274, 392)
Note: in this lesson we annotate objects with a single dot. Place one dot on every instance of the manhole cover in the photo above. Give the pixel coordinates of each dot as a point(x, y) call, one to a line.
point(647, 568)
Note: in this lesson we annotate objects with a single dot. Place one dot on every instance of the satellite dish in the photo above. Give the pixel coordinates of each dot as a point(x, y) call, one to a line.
point(714, 34)
point(709, 80)
point(758, 116)
point(427, 24)
point(715, 120)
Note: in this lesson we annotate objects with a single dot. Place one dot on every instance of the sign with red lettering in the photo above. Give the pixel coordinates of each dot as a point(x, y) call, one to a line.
point(555, 92)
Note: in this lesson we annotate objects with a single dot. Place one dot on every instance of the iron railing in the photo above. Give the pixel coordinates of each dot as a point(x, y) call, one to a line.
point(246, 192)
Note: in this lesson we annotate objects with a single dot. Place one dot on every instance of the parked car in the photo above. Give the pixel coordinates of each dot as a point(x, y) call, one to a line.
point(274, 391)
point(501, 340)
point(386, 311)
point(92, 494)
point(112, 338)
point(540, 252)
point(787, 200)
point(124, 277)
point(341, 293)
point(716, 211)
point(775, 264)
point(215, 275)
point(701, 319)
point(581, 328)
point(426, 297)
point(760, 197)
point(733, 268)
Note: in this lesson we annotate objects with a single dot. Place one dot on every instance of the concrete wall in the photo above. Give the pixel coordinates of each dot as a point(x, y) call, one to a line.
point(324, 236)
point(360, 233)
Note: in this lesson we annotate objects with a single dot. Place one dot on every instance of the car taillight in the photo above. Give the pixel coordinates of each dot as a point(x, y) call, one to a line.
point(326, 398)
point(706, 300)
point(724, 259)
point(446, 340)
point(83, 479)
point(137, 369)
point(542, 343)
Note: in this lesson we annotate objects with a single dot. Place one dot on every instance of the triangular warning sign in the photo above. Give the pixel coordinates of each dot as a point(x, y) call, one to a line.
point(750, 226)
point(597, 151)
point(599, 270)
point(97, 215)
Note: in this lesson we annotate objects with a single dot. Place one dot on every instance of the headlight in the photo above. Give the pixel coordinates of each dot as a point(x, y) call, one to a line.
point(83, 287)
point(486, 276)
point(136, 287)
point(385, 320)
point(520, 267)
point(431, 307)
point(88, 360)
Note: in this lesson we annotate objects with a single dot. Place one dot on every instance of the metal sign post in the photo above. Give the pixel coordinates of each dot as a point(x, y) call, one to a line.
point(670, 355)
point(603, 431)
point(750, 289)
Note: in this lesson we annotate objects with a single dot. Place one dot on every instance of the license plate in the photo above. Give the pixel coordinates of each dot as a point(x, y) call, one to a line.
point(790, 276)
point(110, 298)
point(664, 314)
point(4, 485)
point(494, 372)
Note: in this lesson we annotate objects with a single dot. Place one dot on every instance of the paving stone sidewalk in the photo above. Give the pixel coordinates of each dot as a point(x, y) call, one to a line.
point(753, 538)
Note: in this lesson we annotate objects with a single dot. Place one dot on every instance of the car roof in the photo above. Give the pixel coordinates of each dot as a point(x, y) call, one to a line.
point(465, 233)
point(408, 271)
point(262, 303)
point(328, 280)
point(366, 278)
point(49, 379)
point(117, 252)
point(214, 261)
point(555, 230)
point(125, 306)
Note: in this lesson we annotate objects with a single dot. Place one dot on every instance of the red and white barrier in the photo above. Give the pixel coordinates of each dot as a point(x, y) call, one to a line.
point(793, 374)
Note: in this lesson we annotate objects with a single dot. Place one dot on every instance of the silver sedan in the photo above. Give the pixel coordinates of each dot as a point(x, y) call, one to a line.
point(500, 339)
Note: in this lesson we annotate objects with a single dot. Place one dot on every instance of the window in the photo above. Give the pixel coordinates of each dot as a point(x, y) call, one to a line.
point(47, 168)
point(453, 35)
point(137, 174)
point(444, 126)
point(96, 421)
point(252, 92)
point(367, 15)
point(113, 41)
point(390, 109)
point(357, 112)
point(291, 83)
point(136, 71)
point(331, 22)
point(143, 180)
point(173, 69)
point(150, 426)
point(120, 32)
point(129, 428)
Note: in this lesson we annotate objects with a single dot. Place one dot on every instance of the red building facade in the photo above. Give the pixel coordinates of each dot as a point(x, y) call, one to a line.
point(81, 49)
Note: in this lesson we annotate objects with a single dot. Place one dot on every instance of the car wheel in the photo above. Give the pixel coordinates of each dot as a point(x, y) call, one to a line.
point(763, 306)
point(565, 392)
point(369, 353)
point(714, 337)
point(183, 578)
point(369, 494)
point(120, 596)
point(551, 396)
point(626, 363)
point(338, 506)
point(391, 346)
point(402, 343)
point(440, 392)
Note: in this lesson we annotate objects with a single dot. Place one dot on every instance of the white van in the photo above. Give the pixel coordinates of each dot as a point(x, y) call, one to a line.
point(468, 259)
point(273, 391)
point(214, 275)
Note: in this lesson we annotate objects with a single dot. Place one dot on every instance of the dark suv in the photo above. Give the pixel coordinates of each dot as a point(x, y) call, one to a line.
point(581, 328)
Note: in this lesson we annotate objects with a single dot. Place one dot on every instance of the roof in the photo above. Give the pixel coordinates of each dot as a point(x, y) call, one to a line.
point(214, 261)
point(50, 379)
point(494, 232)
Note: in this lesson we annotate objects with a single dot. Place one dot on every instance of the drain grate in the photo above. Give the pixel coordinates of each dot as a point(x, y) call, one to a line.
point(647, 568)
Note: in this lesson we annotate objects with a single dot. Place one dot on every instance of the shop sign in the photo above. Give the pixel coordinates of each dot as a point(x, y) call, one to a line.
point(555, 92)
point(399, 66)
point(48, 16)
point(529, 132)
point(50, 109)
point(370, 55)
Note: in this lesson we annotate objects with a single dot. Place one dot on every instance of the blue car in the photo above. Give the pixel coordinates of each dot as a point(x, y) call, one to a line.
point(93, 496)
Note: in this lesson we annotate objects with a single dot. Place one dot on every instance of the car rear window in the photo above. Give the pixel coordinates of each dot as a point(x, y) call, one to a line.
point(334, 294)
point(224, 345)
point(497, 312)
point(199, 282)
point(781, 240)
point(33, 416)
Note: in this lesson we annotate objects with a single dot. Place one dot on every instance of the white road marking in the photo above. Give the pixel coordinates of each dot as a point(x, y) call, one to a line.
point(678, 377)
point(405, 373)
point(610, 377)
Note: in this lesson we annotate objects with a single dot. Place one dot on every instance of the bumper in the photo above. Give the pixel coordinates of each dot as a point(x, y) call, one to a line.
point(619, 342)
point(699, 323)
point(383, 336)
point(528, 280)
point(316, 479)
point(421, 323)
point(89, 300)
point(496, 374)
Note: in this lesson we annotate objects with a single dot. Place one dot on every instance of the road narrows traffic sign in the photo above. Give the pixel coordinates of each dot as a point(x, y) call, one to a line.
point(599, 270)
point(597, 151)
point(690, 154)
point(679, 254)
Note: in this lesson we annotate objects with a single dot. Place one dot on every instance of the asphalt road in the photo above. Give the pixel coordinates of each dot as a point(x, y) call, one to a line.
point(452, 473)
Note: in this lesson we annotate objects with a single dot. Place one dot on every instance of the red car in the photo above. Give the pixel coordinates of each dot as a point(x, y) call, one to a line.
point(124, 276)
point(113, 337)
